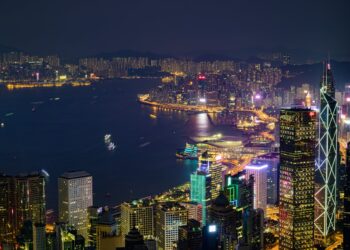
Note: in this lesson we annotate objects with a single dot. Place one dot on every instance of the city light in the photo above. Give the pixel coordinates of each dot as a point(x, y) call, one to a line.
point(212, 228)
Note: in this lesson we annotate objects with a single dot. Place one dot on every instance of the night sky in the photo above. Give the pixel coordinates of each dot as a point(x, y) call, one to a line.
point(236, 28)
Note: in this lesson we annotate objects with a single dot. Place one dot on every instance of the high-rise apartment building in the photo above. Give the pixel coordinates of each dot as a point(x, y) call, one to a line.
point(74, 198)
point(297, 172)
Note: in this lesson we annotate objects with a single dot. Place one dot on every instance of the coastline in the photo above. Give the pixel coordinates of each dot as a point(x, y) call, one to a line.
point(181, 107)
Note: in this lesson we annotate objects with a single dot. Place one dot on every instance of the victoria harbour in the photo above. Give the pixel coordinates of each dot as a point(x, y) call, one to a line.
point(56, 129)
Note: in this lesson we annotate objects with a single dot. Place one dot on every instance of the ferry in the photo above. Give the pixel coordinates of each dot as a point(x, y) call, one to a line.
point(111, 146)
point(190, 152)
point(153, 116)
point(108, 141)
point(108, 138)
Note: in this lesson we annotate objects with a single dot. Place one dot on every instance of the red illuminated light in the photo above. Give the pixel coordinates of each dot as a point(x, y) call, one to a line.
point(201, 77)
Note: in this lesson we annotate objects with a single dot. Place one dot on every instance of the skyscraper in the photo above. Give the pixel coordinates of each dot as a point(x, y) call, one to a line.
point(106, 231)
point(169, 217)
point(327, 159)
point(190, 236)
point(7, 209)
point(259, 171)
point(297, 171)
point(22, 198)
point(273, 160)
point(39, 236)
point(200, 191)
point(253, 229)
point(137, 214)
point(223, 215)
point(74, 198)
point(239, 190)
point(210, 163)
point(346, 221)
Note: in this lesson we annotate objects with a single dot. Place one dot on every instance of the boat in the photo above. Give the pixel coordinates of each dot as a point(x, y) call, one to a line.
point(108, 138)
point(153, 116)
point(111, 146)
point(190, 152)
point(108, 141)
point(144, 144)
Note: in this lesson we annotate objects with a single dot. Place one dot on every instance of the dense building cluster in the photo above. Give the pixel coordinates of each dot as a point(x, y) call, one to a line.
point(283, 193)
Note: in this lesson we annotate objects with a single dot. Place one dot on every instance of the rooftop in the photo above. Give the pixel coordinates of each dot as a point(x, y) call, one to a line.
point(75, 174)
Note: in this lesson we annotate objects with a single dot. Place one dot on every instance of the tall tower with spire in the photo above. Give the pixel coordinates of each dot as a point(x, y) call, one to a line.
point(326, 160)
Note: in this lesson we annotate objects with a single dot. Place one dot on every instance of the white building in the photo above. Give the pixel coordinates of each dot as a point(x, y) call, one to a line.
point(259, 171)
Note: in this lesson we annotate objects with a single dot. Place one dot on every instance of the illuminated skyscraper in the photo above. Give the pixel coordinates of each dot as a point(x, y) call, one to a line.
point(239, 190)
point(346, 220)
point(211, 163)
point(74, 198)
point(31, 199)
point(169, 217)
point(137, 214)
point(327, 159)
point(7, 209)
point(273, 161)
point(22, 198)
point(297, 171)
point(200, 191)
point(259, 172)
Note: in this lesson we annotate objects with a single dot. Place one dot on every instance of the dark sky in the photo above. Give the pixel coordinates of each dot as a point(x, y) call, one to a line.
point(72, 27)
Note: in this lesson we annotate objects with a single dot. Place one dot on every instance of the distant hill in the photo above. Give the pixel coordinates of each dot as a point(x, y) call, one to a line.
point(311, 73)
point(130, 53)
point(7, 49)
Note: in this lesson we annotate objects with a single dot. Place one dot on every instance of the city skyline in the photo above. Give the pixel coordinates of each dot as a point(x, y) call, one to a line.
point(130, 125)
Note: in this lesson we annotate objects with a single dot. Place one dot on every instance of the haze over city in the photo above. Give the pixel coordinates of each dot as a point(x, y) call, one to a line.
point(309, 29)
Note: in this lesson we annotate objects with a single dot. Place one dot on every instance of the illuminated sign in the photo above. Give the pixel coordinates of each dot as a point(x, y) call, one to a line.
point(212, 228)
point(256, 167)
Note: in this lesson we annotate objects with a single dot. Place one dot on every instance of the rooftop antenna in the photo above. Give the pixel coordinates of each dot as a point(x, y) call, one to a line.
point(329, 61)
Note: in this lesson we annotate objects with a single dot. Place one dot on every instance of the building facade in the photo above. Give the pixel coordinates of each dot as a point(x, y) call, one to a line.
point(327, 160)
point(137, 214)
point(169, 217)
point(259, 172)
point(297, 173)
point(74, 198)
point(346, 220)
point(200, 192)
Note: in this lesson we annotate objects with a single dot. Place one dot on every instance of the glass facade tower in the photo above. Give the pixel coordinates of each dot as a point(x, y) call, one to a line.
point(327, 159)
point(297, 172)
